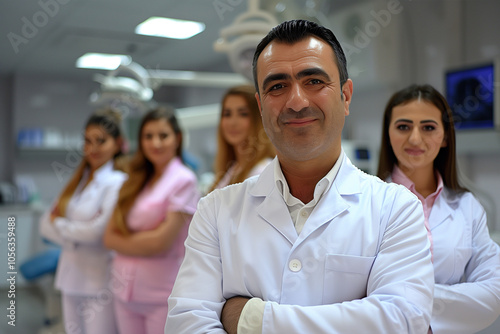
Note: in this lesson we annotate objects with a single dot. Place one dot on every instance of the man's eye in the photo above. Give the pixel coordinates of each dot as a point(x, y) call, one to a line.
point(276, 87)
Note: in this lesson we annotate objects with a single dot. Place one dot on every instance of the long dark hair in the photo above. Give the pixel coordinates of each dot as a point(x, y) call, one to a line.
point(446, 160)
point(110, 121)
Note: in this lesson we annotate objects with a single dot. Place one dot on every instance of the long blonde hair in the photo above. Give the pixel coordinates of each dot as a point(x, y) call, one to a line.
point(110, 121)
point(141, 170)
point(258, 147)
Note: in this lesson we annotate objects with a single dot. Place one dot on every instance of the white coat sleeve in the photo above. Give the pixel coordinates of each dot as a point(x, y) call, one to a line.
point(196, 301)
point(48, 230)
point(473, 305)
point(399, 288)
point(90, 232)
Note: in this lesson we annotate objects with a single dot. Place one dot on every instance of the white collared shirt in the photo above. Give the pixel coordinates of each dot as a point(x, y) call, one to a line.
point(299, 211)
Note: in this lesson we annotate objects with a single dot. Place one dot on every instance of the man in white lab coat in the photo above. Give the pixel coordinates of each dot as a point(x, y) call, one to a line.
point(312, 245)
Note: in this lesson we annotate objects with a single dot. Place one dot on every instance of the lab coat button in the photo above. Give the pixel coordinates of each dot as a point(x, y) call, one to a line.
point(304, 213)
point(295, 265)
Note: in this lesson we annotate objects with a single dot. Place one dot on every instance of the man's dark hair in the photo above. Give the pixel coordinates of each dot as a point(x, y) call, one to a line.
point(290, 32)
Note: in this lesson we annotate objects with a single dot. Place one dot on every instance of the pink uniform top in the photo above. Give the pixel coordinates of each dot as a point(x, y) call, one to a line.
point(150, 279)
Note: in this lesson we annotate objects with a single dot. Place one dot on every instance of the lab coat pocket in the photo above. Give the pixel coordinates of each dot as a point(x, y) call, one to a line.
point(346, 277)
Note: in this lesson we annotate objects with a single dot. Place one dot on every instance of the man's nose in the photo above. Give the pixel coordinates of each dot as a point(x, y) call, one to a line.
point(297, 98)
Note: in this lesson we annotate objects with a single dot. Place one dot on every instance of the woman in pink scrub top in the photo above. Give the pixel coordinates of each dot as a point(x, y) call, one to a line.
point(418, 152)
point(150, 224)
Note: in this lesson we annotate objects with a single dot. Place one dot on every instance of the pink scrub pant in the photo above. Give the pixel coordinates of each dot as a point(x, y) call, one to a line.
point(144, 318)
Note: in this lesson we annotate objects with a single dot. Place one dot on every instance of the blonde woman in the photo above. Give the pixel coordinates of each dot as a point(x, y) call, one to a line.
point(77, 222)
point(243, 147)
point(150, 224)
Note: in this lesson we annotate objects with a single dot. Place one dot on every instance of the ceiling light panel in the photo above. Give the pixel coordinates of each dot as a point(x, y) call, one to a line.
point(102, 61)
point(169, 28)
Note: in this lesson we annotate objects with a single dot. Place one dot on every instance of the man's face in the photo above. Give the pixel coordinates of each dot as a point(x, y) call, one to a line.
point(302, 104)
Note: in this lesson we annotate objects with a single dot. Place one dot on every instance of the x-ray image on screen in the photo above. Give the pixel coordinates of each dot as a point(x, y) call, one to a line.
point(470, 94)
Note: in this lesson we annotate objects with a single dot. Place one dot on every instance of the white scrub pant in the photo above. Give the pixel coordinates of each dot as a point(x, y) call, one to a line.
point(88, 315)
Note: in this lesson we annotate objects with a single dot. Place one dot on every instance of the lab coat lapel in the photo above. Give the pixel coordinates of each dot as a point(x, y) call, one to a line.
point(444, 206)
point(273, 208)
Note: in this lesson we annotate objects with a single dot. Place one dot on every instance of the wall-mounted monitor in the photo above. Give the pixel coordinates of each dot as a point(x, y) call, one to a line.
point(473, 93)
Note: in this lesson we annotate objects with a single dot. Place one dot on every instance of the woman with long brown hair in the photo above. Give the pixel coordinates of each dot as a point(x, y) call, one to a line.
point(77, 222)
point(419, 151)
point(243, 148)
point(149, 225)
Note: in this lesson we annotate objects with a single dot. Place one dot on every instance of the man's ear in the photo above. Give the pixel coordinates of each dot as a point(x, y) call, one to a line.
point(347, 95)
point(257, 97)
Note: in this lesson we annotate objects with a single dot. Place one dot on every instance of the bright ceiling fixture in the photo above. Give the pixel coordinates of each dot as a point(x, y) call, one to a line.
point(240, 39)
point(169, 28)
point(102, 61)
point(136, 84)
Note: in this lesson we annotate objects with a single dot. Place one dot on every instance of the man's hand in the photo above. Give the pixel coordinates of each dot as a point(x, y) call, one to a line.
point(231, 313)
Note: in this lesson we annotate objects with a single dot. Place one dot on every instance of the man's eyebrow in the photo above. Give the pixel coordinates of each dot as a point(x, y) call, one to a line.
point(312, 71)
point(302, 74)
point(274, 77)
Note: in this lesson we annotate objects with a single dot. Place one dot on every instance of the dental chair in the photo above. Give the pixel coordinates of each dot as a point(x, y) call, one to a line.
point(41, 269)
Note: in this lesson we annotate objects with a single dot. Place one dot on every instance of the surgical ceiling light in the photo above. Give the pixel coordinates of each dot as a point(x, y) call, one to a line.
point(102, 61)
point(136, 84)
point(169, 28)
point(126, 88)
point(240, 39)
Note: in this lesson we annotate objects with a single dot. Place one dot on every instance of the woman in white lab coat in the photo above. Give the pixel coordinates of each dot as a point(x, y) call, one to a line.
point(418, 151)
point(243, 147)
point(77, 221)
